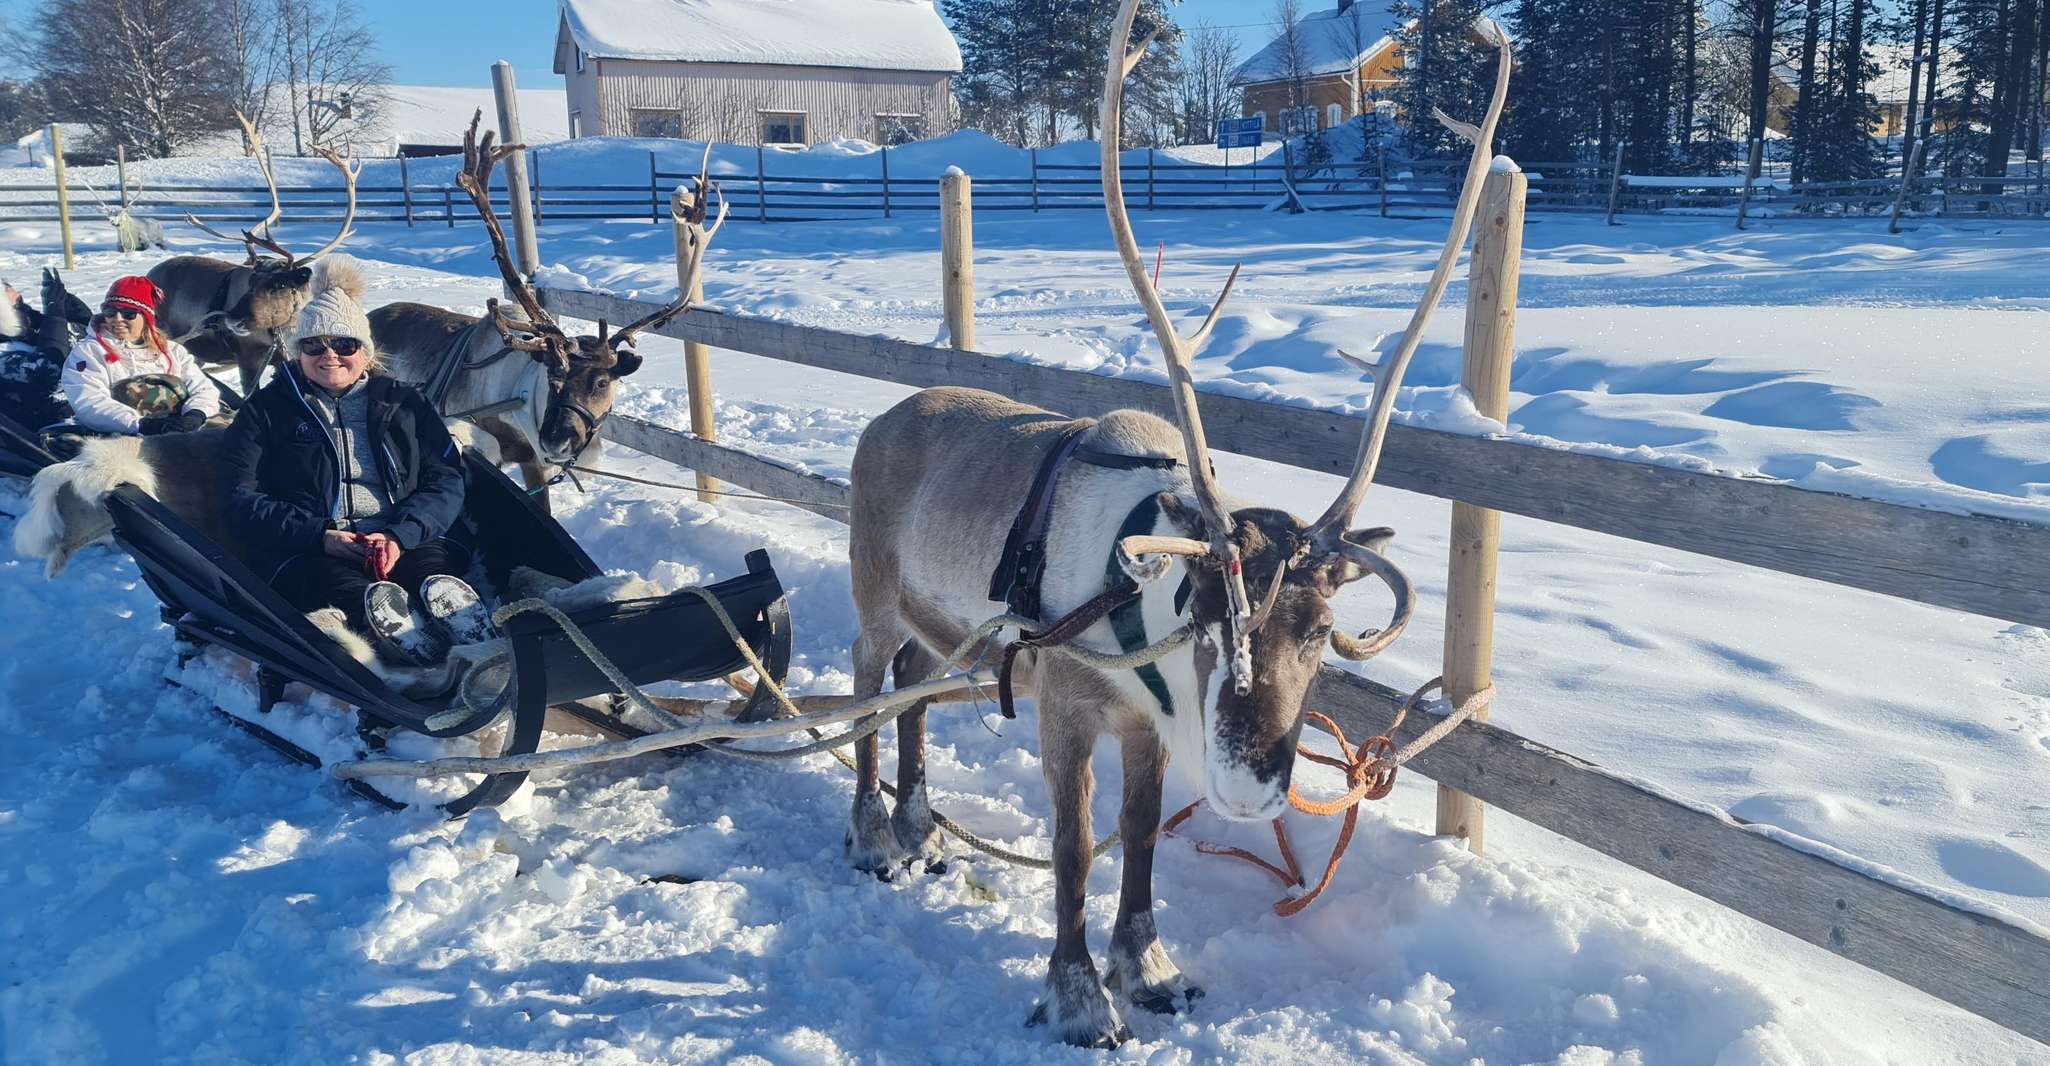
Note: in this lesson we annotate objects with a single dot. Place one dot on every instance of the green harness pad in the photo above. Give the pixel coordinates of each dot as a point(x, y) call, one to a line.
point(1128, 622)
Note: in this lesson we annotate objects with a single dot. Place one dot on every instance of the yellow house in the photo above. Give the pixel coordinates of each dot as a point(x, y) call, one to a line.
point(1317, 76)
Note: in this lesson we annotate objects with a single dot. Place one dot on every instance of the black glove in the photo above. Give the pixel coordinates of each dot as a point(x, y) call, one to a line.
point(184, 421)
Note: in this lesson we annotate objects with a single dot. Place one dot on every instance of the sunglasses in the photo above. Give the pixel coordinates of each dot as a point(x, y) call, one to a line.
point(128, 314)
point(342, 346)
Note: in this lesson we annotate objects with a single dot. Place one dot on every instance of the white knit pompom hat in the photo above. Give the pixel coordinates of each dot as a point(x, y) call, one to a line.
point(335, 310)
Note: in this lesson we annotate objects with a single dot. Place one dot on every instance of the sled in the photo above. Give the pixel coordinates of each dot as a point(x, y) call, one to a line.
point(213, 599)
point(21, 450)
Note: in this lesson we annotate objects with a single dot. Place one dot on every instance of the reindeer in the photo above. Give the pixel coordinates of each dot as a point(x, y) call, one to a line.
point(562, 392)
point(233, 313)
point(938, 481)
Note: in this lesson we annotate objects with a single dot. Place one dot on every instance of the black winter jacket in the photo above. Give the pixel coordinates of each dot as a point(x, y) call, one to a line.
point(281, 473)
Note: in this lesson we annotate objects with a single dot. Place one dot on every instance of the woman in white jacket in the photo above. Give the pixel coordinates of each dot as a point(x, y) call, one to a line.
point(122, 345)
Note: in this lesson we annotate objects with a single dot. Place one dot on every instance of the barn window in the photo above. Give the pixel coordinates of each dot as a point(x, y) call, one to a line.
point(576, 124)
point(783, 127)
point(899, 129)
point(580, 57)
point(1334, 116)
point(651, 123)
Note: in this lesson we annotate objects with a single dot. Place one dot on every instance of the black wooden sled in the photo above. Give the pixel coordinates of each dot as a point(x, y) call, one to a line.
point(212, 598)
point(21, 450)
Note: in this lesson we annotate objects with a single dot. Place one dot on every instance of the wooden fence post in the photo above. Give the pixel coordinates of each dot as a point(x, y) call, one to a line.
point(957, 253)
point(1908, 177)
point(1616, 181)
point(1384, 180)
point(885, 153)
point(697, 359)
point(1750, 175)
point(63, 194)
point(761, 186)
point(536, 187)
point(1033, 154)
point(654, 191)
point(1476, 531)
point(1149, 179)
point(527, 252)
point(406, 190)
point(448, 205)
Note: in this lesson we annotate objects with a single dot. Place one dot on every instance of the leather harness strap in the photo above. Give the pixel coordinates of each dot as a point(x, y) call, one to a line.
point(1015, 581)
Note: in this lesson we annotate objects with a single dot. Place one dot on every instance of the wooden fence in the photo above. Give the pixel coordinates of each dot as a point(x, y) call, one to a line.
point(1389, 186)
point(1978, 563)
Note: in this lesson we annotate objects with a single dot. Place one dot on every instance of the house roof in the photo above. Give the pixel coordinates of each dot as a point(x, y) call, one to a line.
point(863, 34)
point(1332, 42)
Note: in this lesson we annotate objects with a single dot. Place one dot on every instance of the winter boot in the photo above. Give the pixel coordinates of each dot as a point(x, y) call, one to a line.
point(454, 612)
point(400, 630)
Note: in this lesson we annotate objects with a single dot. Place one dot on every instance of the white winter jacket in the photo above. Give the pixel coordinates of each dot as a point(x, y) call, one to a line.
point(95, 365)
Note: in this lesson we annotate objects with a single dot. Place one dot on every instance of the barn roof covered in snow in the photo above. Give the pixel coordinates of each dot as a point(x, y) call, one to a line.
point(863, 34)
point(1331, 42)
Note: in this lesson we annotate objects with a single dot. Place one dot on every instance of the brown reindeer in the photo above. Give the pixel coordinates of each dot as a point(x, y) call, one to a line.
point(938, 481)
point(564, 386)
point(233, 313)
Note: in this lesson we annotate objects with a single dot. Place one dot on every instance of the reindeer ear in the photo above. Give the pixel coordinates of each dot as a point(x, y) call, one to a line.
point(1335, 571)
point(301, 277)
point(1181, 512)
point(627, 361)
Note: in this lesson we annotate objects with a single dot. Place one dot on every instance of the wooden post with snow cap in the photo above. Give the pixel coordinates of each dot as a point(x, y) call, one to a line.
point(1476, 531)
point(697, 359)
point(957, 254)
point(63, 194)
point(524, 248)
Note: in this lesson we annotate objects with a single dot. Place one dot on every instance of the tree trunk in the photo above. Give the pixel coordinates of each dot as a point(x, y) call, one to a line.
point(1692, 76)
point(2035, 150)
point(1804, 99)
point(1908, 117)
point(1929, 98)
point(1763, 23)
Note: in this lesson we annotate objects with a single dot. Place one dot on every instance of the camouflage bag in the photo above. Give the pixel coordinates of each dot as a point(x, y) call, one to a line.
point(152, 394)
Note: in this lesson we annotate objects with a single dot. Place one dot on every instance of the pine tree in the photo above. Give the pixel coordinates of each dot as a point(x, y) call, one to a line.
point(1449, 71)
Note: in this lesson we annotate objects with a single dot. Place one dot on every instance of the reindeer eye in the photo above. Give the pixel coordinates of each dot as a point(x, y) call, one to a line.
point(1314, 643)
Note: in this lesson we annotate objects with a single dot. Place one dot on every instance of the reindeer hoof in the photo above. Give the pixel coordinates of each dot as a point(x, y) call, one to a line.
point(917, 833)
point(1149, 979)
point(1078, 1009)
point(872, 845)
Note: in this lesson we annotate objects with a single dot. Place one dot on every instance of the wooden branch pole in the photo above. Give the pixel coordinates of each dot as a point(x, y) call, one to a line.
point(63, 195)
point(1908, 176)
point(1616, 181)
point(1750, 175)
point(957, 254)
point(524, 248)
point(697, 359)
point(1476, 531)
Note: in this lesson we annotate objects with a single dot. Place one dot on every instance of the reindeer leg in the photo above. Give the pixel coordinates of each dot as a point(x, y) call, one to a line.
point(1137, 967)
point(912, 820)
point(871, 842)
point(1075, 1003)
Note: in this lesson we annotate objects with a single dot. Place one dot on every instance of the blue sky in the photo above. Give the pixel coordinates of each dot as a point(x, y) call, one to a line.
point(457, 44)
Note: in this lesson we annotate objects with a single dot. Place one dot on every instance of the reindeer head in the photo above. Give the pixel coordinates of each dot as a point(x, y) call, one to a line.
point(581, 370)
point(280, 282)
point(1260, 580)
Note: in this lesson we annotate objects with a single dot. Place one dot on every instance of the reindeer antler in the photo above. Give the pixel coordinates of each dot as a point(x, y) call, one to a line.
point(258, 237)
point(687, 212)
point(479, 157)
point(1328, 532)
point(1177, 349)
point(351, 169)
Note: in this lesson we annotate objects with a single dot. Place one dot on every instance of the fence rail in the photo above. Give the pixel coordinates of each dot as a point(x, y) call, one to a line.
point(1988, 966)
point(1389, 186)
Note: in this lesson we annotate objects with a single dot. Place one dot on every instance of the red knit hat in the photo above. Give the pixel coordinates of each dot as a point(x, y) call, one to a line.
point(141, 294)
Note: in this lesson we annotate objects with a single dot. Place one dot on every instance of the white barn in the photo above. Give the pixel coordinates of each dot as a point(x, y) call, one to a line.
point(777, 72)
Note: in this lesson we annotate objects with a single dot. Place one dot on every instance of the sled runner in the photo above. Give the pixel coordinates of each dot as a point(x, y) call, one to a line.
point(212, 598)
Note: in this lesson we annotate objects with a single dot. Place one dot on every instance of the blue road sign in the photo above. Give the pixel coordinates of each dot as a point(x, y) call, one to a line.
point(1241, 132)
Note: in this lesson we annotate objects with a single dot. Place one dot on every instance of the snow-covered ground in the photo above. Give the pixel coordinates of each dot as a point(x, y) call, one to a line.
point(170, 890)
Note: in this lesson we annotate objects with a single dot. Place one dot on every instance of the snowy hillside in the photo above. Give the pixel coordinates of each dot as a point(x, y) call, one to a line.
point(174, 892)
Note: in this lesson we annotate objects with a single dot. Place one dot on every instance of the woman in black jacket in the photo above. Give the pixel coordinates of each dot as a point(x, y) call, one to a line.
point(344, 486)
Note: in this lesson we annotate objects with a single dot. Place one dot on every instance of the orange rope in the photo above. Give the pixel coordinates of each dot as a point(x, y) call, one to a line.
point(1370, 775)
